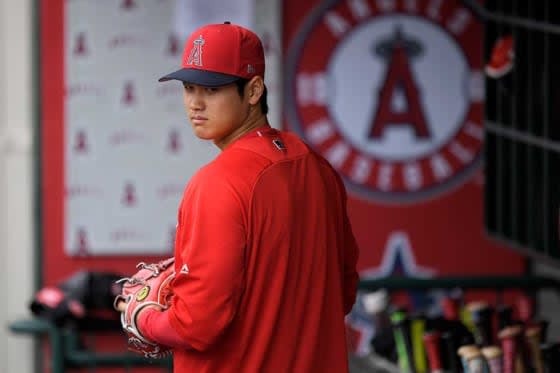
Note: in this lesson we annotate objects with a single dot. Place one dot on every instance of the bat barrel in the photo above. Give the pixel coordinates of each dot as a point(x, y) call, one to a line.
point(509, 339)
point(401, 332)
point(432, 344)
point(449, 345)
point(417, 329)
point(533, 339)
point(493, 356)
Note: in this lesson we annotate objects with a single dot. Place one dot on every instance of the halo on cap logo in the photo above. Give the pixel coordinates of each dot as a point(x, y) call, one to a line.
point(195, 56)
point(391, 93)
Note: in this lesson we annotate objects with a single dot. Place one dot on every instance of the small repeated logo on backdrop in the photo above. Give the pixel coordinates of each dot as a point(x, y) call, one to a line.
point(174, 142)
point(81, 190)
point(80, 142)
point(125, 136)
point(404, 123)
point(169, 96)
point(80, 89)
point(128, 4)
point(82, 244)
point(170, 190)
point(169, 90)
point(129, 198)
point(125, 234)
point(129, 94)
point(173, 45)
point(80, 45)
point(125, 40)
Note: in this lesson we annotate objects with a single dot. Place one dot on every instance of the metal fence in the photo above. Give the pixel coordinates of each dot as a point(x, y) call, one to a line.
point(522, 121)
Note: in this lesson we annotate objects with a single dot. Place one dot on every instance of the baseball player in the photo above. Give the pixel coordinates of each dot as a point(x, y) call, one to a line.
point(265, 257)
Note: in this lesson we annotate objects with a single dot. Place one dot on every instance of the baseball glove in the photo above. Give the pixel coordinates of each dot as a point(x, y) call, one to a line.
point(149, 287)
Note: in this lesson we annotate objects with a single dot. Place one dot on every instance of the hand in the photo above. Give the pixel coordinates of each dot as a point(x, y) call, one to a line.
point(148, 288)
point(121, 306)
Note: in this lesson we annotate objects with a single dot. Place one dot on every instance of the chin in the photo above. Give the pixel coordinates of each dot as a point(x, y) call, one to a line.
point(205, 138)
point(202, 134)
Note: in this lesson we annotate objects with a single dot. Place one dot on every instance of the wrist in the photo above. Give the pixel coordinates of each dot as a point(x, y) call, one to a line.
point(141, 318)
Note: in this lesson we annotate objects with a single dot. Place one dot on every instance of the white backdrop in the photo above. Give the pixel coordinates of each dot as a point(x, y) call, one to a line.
point(129, 149)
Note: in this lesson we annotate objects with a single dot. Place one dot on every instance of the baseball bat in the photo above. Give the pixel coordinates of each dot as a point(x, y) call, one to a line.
point(475, 361)
point(450, 308)
point(431, 341)
point(526, 308)
point(481, 314)
point(461, 332)
point(493, 356)
point(417, 328)
point(509, 340)
point(449, 345)
point(533, 339)
point(463, 352)
point(401, 334)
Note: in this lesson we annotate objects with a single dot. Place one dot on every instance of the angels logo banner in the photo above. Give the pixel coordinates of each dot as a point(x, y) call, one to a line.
point(391, 92)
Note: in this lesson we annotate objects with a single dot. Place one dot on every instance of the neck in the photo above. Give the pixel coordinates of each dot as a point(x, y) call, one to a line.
point(252, 123)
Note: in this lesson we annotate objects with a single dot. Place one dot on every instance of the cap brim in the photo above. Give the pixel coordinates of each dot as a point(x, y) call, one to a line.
point(200, 77)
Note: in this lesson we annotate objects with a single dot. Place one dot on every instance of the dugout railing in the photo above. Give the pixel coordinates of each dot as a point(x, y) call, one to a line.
point(67, 353)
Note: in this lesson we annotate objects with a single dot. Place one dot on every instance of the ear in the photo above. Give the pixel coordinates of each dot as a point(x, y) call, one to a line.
point(255, 89)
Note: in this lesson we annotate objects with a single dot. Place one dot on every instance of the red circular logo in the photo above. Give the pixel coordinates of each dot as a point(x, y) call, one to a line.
point(391, 93)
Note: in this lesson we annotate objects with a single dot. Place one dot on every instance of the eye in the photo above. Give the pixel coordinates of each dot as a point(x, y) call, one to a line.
point(212, 89)
point(188, 87)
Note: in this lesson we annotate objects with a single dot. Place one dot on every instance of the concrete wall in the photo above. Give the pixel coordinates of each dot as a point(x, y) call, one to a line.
point(16, 179)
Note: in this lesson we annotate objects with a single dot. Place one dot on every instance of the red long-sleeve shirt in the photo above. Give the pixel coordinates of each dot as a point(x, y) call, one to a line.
point(265, 263)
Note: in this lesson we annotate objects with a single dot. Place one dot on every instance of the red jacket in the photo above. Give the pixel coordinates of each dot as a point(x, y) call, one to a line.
point(265, 261)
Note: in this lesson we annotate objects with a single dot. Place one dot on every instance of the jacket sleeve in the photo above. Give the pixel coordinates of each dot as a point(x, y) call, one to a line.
point(350, 253)
point(351, 276)
point(209, 252)
point(154, 325)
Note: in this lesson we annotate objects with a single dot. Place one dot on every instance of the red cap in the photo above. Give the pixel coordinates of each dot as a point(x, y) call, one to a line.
point(219, 54)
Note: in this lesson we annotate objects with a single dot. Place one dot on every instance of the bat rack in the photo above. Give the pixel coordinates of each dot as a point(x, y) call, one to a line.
point(66, 353)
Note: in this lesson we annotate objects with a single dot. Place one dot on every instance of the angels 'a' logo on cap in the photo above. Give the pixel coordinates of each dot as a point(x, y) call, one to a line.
point(195, 56)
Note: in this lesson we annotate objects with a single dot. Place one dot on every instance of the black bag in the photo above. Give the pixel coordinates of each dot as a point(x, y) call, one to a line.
point(83, 301)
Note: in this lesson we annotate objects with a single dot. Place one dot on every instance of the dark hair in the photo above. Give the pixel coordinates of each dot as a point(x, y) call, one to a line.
point(241, 83)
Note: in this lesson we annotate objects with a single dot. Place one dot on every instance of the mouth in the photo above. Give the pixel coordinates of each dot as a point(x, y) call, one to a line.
point(198, 119)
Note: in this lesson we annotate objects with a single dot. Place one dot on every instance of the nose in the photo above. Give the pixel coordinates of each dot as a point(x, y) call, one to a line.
point(193, 99)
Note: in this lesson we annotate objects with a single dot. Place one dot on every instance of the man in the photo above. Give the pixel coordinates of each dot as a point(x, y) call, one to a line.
point(265, 258)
